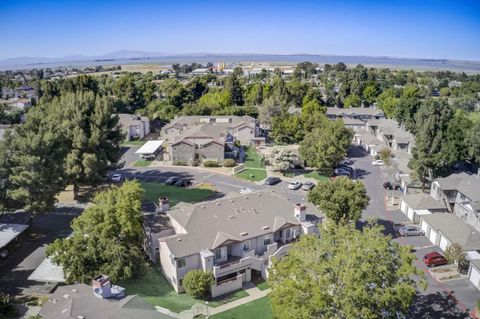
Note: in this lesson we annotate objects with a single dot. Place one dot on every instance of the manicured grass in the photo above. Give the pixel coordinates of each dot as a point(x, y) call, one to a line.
point(132, 143)
point(259, 308)
point(252, 159)
point(142, 163)
point(154, 288)
point(227, 298)
point(319, 176)
point(153, 191)
point(258, 174)
point(260, 284)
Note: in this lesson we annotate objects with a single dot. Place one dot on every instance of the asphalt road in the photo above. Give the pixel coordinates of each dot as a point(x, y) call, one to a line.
point(451, 299)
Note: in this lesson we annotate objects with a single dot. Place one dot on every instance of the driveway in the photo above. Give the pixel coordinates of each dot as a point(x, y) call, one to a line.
point(450, 299)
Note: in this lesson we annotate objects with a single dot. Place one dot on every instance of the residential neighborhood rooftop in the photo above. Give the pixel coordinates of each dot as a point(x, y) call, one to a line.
point(423, 201)
point(467, 184)
point(9, 232)
point(455, 229)
point(237, 219)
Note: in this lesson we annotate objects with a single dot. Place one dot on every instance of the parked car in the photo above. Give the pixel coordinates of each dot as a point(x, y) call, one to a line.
point(294, 185)
point(4, 253)
point(172, 180)
point(434, 259)
point(272, 180)
point(346, 161)
point(378, 163)
point(117, 178)
point(182, 182)
point(148, 157)
point(342, 172)
point(410, 231)
point(308, 186)
point(389, 186)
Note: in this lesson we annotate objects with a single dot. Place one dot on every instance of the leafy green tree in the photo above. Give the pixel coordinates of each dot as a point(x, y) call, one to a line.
point(385, 155)
point(254, 94)
point(129, 94)
point(347, 273)
point(312, 107)
point(270, 108)
point(473, 142)
point(174, 92)
point(370, 93)
point(432, 121)
point(216, 99)
point(388, 102)
point(91, 135)
point(234, 86)
point(287, 128)
point(107, 238)
point(341, 199)
point(296, 91)
point(36, 150)
point(324, 147)
point(352, 101)
point(455, 142)
point(455, 254)
point(197, 283)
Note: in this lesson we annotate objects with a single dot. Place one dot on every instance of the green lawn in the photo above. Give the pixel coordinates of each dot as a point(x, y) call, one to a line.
point(259, 308)
point(142, 163)
point(154, 289)
point(260, 283)
point(227, 298)
point(132, 143)
point(258, 174)
point(153, 191)
point(319, 176)
point(252, 159)
point(254, 166)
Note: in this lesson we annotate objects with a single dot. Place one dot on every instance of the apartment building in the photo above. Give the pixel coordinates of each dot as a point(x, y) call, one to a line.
point(359, 113)
point(134, 126)
point(235, 238)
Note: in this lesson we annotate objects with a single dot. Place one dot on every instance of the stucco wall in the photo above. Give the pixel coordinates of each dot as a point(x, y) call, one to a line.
point(182, 152)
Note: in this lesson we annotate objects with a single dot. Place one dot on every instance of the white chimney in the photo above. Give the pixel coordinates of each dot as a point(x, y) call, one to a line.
point(300, 212)
point(102, 287)
point(163, 205)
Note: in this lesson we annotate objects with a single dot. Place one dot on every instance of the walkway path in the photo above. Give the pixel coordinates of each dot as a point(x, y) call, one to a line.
point(253, 294)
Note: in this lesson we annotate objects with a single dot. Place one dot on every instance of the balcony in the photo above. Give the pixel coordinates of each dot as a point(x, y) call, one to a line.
point(236, 263)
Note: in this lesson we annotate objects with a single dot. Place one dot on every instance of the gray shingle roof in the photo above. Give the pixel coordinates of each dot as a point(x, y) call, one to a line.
point(455, 229)
point(467, 184)
point(76, 301)
point(423, 201)
point(354, 111)
point(239, 218)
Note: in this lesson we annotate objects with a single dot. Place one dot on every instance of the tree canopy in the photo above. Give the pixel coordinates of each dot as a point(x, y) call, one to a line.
point(341, 200)
point(347, 273)
point(107, 238)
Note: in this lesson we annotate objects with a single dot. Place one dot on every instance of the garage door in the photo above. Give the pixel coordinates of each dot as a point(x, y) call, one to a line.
point(424, 227)
point(410, 213)
point(403, 207)
point(433, 236)
point(475, 277)
point(443, 243)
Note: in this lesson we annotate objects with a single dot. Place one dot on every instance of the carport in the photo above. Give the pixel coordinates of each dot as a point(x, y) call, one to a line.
point(9, 232)
point(474, 273)
point(150, 149)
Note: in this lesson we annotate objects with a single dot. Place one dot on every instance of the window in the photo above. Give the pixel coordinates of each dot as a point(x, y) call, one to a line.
point(266, 240)
point(287, 233)
point(180, 282)
point(181, 263)
point(218, 254)
point(246, 246)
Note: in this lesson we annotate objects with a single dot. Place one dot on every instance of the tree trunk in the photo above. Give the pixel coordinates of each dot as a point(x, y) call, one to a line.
point(76, 188)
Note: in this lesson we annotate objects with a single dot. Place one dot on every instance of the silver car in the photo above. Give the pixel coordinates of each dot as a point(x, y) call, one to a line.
point(410, 231)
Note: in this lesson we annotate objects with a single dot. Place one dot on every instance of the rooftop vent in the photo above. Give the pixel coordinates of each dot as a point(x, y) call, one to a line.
point(74, 290)
point(80, 317)
point(258, 194)
point(179, 239)
point(66, 296)
point(218, 203)
point(243, 233)
point(246, 197)
point(231, 201)
point(231, 217)
point(265, 227)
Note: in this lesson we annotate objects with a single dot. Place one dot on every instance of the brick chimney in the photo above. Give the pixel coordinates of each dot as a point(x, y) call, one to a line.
point(300, 212)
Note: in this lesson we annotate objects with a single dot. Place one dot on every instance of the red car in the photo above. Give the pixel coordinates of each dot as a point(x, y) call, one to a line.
point(434, 259)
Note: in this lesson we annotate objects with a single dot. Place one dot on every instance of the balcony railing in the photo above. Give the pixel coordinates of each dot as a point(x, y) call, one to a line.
point(232, 260)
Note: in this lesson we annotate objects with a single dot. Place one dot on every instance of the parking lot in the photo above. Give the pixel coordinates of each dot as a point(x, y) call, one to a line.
point(448, 299)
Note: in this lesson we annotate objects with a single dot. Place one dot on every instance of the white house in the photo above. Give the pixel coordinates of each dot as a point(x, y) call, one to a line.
point(134, 126)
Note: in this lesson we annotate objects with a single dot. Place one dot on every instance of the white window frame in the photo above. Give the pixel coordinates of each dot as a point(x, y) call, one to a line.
point(246, 244)
point(265, 239)
point(181, 261)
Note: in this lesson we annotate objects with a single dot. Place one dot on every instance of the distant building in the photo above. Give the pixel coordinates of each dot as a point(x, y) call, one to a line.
point(134, 126)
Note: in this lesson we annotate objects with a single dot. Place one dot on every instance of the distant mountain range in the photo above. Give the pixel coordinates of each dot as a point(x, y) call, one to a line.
point(130, 57)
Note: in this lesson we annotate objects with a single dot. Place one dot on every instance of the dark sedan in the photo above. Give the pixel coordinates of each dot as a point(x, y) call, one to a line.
point(182, 182)
point(172, 180)
point(272, 180)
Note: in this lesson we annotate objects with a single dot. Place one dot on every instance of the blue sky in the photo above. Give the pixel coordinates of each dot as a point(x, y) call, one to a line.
point(423, 28)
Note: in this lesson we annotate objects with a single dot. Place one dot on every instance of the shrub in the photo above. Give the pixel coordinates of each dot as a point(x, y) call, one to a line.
point(180, 163)
point(195, 162)
point(197, 282)
point(229, 162)
point(211, 164)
